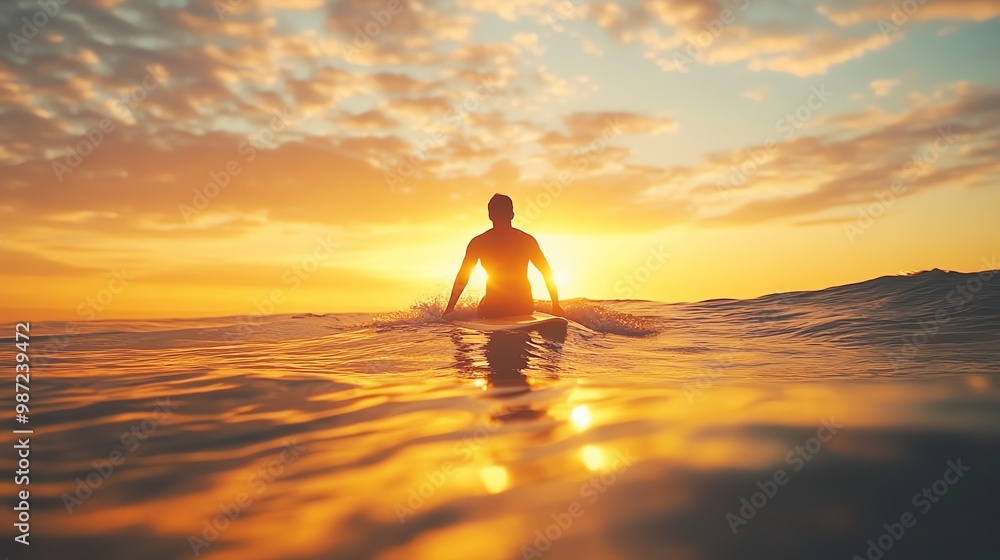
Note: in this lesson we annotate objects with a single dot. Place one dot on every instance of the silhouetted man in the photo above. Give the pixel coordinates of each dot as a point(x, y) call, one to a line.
point(504, 252)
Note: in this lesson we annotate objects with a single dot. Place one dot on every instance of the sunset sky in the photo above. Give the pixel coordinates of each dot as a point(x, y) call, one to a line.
point(163, 158)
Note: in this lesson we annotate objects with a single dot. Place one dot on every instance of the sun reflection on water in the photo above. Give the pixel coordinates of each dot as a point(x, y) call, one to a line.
point(593, 458)
point(581, 417)
point(495, 478)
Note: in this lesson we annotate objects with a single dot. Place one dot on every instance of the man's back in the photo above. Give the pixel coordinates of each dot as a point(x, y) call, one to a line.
point(504, 253)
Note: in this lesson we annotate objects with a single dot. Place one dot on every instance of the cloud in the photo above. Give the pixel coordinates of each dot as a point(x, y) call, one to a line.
point(502, 174)
point(297, 5)
point(678, 33)
point(368, 34)
point(756, 94)
point(529, 42)
point(364, 101)
point(814, 174)
point(421, 109)
point(133, 185)
point(866, 11)
point(22, 263)
point(590, 47)
point(479, 55)
point(883, 87)
point(799, 54)
point(393, 83)
point(553, 85)
point(509, 10)
point(367, 121)
point(592, 123)
point(776, 47)
point(325, 89)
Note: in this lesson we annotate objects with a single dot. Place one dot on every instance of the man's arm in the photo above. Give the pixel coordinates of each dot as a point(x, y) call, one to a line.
point(462, 278)
point(542, 264)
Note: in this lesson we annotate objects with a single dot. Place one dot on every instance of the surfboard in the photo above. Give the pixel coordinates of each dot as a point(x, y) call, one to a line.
point(516, 322)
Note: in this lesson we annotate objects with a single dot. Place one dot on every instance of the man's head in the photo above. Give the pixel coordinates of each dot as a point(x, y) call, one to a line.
point(501, 208)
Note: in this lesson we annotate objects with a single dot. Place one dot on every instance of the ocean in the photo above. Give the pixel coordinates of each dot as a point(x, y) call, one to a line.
point(860, 421)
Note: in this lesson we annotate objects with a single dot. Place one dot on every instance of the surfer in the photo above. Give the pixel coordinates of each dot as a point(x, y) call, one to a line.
point(505, 253)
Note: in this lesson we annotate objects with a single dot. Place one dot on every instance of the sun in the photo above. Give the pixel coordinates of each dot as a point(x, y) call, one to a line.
point(538, 289)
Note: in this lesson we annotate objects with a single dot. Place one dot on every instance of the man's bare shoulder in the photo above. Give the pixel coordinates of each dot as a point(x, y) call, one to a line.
point(481, 237)
point(524, 234)
point(492, 237)
point(527, 237)
point(480, 240)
